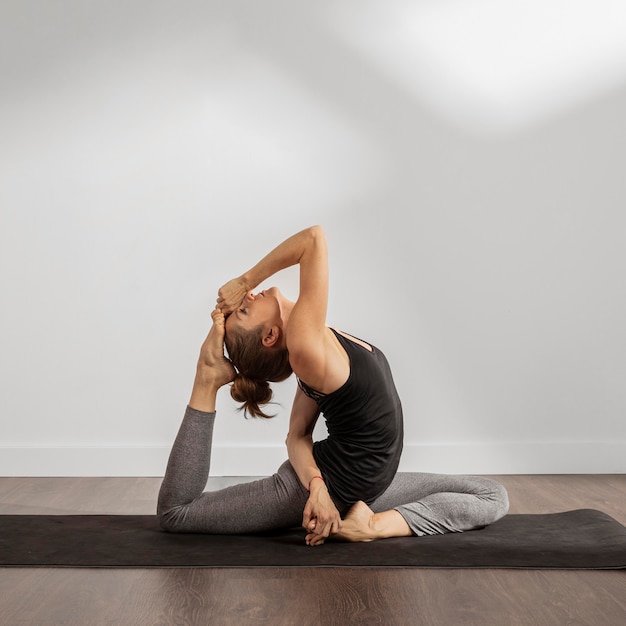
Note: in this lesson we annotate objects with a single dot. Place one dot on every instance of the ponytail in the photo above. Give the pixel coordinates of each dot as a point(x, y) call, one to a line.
point(257, 366)
point(251, 393)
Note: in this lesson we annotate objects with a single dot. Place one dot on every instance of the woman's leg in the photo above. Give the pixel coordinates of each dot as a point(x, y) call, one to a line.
point(266, 504)
point(274, 502)
point(427, 504)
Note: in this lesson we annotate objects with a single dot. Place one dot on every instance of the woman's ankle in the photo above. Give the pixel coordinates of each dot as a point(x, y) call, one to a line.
point(204, 392)
point(389, 524)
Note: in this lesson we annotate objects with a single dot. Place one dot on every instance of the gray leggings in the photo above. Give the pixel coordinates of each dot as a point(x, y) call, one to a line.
point(431, 504)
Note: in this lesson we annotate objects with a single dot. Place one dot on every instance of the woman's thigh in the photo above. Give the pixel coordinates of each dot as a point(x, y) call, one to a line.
point(269, 503)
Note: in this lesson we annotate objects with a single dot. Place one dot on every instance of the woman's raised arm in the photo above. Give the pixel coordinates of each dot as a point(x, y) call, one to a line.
point(302, 248)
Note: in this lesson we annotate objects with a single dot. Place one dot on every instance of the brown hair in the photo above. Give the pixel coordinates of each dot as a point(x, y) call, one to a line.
point(257, 366)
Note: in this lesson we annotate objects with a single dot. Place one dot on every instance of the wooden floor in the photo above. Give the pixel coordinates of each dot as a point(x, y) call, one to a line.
point(307, 596)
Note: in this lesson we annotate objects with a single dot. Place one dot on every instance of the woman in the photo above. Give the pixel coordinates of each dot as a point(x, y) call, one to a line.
point(345, 487)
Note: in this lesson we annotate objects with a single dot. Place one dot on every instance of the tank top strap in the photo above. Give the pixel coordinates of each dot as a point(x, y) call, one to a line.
point(310, 392)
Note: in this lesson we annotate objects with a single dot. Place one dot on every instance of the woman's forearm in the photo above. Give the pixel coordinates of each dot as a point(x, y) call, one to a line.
point(300, 453)
point(287, 254)
point(320, 516)
point(302, 248)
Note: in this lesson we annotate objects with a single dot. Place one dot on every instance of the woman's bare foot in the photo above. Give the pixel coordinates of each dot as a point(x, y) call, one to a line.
point(212, 362)
point(213, 370)
point(362, 524)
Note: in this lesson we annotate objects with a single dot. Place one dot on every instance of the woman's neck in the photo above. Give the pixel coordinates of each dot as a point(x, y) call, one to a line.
point(286, 306)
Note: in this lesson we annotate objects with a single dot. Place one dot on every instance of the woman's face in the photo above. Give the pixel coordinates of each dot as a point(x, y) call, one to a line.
point(262, 309)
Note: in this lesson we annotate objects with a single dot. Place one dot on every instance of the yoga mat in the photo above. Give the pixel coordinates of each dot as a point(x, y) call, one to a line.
point(582, 539)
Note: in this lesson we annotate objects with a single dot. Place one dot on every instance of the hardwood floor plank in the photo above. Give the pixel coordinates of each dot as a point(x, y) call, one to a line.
point(225, 597)
point(274, 596)
point(320, 596)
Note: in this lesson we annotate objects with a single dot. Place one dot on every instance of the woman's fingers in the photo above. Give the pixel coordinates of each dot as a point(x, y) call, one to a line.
point(318, 533)
point(315, 539)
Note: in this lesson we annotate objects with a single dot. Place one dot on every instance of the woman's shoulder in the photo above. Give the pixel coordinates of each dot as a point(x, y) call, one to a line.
point(325, 367)
point(353, 339)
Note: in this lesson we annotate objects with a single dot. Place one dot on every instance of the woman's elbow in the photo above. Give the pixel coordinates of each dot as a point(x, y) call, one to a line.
point(289, 439)
point(294, 438)
point(316, 234)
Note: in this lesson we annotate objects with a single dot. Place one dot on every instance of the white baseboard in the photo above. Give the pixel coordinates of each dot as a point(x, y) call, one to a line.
point(467, 458)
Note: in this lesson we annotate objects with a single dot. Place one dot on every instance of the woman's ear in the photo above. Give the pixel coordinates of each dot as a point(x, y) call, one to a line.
point(271, 336)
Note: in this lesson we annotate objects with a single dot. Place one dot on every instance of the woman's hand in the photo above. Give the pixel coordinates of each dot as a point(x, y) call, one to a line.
point(216, 368)
point(321, 517)
point(232, 293)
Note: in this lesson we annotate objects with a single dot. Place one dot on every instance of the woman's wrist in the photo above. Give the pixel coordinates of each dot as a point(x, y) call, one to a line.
point(316, 483)
point(248, 281)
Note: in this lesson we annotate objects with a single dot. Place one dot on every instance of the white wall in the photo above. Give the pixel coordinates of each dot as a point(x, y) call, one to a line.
point(150, 151)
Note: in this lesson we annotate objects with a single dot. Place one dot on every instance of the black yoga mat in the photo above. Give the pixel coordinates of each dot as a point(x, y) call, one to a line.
point(582, 539)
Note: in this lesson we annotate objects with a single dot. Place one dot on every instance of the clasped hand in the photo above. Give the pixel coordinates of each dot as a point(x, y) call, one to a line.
point(321, 517)
point(230, 295)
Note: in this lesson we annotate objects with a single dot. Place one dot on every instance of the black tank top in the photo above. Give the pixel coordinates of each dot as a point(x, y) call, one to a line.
point(360, 456)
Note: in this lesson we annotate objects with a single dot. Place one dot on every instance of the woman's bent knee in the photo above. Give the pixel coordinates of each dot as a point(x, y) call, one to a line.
point(170, 521)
